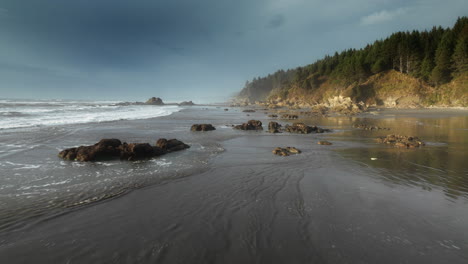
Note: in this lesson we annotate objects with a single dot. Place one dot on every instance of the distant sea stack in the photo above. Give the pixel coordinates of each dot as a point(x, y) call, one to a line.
point(187, 103)
point(155, 101)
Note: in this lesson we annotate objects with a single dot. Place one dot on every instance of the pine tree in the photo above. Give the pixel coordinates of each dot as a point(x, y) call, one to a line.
point(442, 72)
point(427, 66)
point(378, 66)
point(460, 54)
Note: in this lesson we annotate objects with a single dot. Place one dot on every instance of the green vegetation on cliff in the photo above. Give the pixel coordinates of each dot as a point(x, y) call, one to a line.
point(420, 68)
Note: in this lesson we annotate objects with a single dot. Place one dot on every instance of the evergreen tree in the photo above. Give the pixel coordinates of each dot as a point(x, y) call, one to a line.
point(460, 54)
point(434, 56)
point(378, 66)
point(427, 66)
point(442, 71)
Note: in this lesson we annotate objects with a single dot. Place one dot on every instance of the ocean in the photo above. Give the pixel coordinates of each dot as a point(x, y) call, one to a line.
point(35, 182)
point(32, 113)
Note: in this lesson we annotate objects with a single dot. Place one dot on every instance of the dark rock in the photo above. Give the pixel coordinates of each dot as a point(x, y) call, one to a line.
point(103, 150)
point(171, 145)
point(225, 109)
point(302, 128)
point(289, 116)
point(249, 111)
point(113, 142)
point(273, 116)
point(202, 127)
point(136, 151)
point(274, 127)
point(369, 127)
point(250, 125)
point(154, 101)
point(401, 141)
point(107, 149)
point(323, 142)
point(187, 103)
point(286, 151)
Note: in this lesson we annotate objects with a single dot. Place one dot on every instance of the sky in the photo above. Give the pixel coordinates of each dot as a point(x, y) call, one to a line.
point(200, 50)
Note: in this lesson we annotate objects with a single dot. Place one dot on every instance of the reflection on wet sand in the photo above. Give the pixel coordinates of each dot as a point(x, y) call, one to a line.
point(440, 164)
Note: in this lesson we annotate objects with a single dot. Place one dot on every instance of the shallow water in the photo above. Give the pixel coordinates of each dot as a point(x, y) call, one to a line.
point(35, 182)
point(441, 164)
point(229, 200)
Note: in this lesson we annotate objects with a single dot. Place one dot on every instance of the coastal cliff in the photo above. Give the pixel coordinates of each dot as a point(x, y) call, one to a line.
point(407, 69)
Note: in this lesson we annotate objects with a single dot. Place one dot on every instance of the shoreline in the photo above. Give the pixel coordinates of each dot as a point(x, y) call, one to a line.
point(327, 204)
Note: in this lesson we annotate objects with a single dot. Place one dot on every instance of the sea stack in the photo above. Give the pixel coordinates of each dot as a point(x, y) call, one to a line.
point(155, 101)
point(187, 103)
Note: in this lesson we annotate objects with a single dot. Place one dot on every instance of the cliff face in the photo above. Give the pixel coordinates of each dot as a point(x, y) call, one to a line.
point(386, 89)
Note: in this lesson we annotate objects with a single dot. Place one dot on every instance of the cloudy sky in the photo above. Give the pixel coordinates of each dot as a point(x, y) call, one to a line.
point(202, 50)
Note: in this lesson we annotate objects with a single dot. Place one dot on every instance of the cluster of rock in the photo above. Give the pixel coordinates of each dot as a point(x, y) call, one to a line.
point(250, 125)
point(345, 105)
point(155, 101)
point(107, 149)
point(337, 104)
point(273, 116)
point(369, 127)
point(289, 116)
point(202, 127)
point(301, 128)
point(286, 151)
point(248, 111)
point(401, 141)
point(275, 127)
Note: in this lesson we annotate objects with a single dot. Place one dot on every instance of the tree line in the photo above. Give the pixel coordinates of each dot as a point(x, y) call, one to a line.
point(435, 56)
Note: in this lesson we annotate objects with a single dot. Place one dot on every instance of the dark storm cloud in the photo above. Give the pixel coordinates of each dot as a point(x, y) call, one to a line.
point(276, 22)
point(155, 47)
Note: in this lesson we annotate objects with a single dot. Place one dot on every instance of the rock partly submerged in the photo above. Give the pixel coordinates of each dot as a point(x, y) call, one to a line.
point(274, 127)
point(289, 116)
point(171, 145)
point(401, 141)
point(108, 149)
point(250, 125)
point(324, 142)
point(301, 128)
point(202, 127)
point(286, 151)
point(369, 127)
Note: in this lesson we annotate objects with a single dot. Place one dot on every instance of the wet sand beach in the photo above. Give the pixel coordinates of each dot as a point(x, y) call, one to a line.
point(228, 199)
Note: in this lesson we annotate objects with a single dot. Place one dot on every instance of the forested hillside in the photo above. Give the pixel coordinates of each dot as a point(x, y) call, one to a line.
point(432, 65)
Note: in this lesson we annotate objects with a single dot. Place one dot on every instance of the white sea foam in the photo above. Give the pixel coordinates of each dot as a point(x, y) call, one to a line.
point(43, 185)
point(20, 114)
